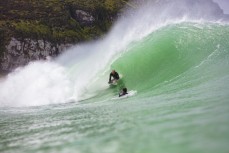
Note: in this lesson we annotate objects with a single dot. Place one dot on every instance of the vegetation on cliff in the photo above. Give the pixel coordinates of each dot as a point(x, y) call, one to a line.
point(56, 20)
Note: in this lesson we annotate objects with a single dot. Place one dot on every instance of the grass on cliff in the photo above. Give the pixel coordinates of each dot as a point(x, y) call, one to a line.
point(54, 20)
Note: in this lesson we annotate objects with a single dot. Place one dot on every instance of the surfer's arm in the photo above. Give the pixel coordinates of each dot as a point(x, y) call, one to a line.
point(118, 76)
point(110, 78)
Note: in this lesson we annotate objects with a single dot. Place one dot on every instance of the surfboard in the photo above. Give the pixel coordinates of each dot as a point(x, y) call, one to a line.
point(113, 83)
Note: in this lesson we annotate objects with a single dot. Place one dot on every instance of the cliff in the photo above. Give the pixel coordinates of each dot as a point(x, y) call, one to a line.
point(33, 30)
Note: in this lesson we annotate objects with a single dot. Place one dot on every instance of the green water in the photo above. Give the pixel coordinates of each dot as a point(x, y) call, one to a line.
point(181, 75)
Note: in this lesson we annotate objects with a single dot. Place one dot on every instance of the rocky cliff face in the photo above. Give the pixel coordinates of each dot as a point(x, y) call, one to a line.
point(21, 51)
point(34, 30)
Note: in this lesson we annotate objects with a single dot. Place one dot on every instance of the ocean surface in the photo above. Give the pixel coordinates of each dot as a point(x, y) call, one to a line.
point(176, 64)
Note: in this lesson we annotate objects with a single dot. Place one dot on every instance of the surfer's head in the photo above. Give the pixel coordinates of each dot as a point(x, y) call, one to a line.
point(113, 71)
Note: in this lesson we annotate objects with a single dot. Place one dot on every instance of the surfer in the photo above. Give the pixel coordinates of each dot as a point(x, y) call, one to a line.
point(113, 75)
point(123, 92)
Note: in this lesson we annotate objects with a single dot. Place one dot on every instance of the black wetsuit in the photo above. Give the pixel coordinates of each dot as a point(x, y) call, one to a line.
point(123, 93)
point(115, 76)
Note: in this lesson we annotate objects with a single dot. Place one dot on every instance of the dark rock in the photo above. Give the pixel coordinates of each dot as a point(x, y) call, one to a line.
point(84, 18)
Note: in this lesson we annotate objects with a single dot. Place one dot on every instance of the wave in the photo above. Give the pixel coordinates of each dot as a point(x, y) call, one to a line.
point(151, 45)
point(176, 51)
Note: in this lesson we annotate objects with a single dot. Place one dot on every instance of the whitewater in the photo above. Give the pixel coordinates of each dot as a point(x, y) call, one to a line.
point(175, 56)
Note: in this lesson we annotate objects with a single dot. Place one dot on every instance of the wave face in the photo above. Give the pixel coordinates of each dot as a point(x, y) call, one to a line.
point(191, 53)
